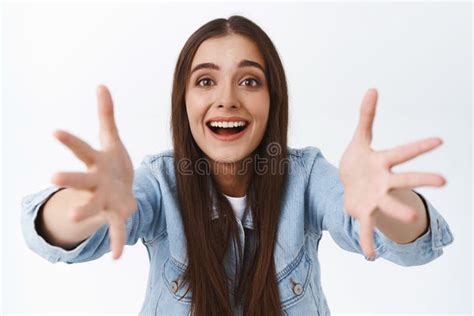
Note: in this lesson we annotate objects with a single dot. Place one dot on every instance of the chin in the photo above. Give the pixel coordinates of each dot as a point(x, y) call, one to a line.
point(226, 155)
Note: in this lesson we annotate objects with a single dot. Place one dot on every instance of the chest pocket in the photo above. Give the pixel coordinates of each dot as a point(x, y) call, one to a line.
point(293, 281)
point(173, 272)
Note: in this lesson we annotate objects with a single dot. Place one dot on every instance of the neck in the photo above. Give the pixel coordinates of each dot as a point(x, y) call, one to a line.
point(230, 179)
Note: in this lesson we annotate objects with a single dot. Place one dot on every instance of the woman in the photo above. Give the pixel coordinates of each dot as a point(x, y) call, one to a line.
point(232, 214)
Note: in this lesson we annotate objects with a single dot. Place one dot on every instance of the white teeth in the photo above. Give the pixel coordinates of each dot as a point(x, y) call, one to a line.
point(227, 124)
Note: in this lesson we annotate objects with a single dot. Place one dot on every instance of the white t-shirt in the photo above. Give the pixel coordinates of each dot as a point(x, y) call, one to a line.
point(238, 205)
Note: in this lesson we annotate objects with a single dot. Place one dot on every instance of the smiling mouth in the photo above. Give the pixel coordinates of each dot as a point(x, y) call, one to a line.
point(226, 130)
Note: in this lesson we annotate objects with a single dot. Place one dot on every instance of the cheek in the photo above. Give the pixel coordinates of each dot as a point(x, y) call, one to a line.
point(195, 108)
point(261, 111)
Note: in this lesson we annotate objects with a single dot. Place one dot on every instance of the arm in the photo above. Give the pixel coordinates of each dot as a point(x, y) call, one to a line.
point(325, 200)
point(55, 225)
point(145, 223)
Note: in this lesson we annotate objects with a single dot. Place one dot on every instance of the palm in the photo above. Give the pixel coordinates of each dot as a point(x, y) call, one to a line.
point(368, 179)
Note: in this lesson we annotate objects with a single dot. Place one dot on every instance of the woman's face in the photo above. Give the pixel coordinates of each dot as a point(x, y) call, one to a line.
point(227, 98)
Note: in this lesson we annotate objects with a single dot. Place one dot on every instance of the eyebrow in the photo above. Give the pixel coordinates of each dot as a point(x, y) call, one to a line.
point(243, 63)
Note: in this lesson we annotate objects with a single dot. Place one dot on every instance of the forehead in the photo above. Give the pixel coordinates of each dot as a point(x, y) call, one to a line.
point(229, 49)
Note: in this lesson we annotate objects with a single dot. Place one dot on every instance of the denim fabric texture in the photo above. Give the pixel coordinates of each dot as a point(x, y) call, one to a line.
point(312, 203)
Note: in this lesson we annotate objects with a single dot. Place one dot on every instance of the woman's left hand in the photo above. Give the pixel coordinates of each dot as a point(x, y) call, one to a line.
point(368, 180)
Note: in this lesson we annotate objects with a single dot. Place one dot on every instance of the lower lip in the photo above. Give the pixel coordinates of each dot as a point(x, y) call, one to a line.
point(228, 138)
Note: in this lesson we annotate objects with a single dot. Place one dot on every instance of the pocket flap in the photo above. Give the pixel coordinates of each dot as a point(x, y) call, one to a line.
point(293, 281)
point(173, 278)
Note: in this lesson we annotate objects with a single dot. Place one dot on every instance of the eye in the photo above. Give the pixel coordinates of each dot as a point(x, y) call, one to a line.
point(205, 81)
point(253, 82)
point(250, 82)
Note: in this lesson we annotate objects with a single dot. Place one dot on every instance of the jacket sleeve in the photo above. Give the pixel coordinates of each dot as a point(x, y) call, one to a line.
point(141, 224)
point(325, 196)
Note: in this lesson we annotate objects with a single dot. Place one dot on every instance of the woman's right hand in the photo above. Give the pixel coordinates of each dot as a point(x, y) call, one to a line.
point(109, 178)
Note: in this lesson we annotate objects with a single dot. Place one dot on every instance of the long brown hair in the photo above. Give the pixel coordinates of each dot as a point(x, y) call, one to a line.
point(207, 239)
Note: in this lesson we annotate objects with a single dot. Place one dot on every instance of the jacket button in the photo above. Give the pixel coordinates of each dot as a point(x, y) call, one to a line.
point(174, 286)
point(297, 289)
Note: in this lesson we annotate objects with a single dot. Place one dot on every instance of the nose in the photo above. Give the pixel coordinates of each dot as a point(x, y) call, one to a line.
point(227, 97)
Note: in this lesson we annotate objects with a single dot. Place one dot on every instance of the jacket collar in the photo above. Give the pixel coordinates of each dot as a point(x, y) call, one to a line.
point(247, 221)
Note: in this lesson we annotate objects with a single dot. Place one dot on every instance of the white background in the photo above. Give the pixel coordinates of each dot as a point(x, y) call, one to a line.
point(418, 56)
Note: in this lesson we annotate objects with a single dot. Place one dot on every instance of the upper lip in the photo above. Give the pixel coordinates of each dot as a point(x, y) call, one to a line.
point(227, 119)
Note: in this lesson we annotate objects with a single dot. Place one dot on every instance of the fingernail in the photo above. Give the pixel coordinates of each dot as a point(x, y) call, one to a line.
point(370, 258)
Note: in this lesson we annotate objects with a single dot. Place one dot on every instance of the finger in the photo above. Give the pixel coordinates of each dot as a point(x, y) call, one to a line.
point(117, 234)
point(80, 148)
point(394, 208)
point(76, 180)
point(412, 180)
point(367, 114)
point(108, 128)
point(409, 151)
point(366, 236)
point(91, 208)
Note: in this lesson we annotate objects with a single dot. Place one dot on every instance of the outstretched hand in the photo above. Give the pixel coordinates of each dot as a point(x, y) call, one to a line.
point(368, 180)
point(109, 176)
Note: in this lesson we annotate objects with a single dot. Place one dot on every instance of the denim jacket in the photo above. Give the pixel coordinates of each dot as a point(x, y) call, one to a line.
point(312, 203)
